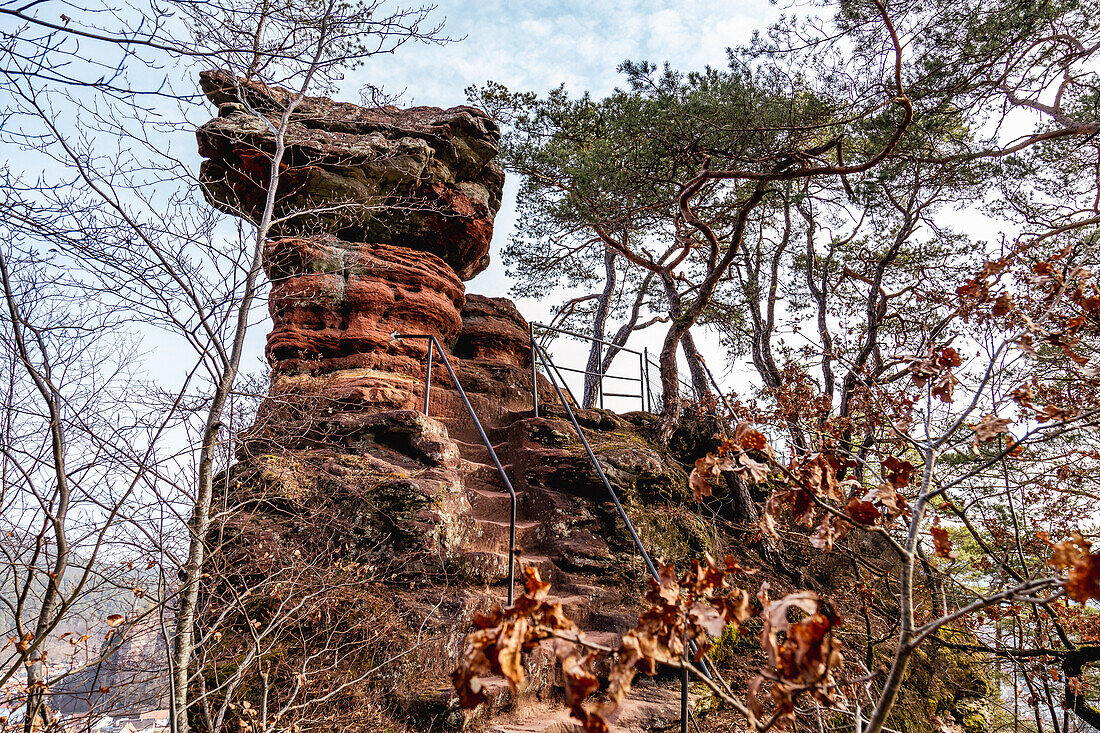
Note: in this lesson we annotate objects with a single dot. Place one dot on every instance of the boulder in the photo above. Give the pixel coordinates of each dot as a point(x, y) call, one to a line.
point(493, 330)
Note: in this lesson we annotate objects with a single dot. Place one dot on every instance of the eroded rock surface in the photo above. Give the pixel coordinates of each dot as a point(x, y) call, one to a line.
point(382, 214)
point(421, 178)
point(336, 304)
point(493, 330)
point(353, 506)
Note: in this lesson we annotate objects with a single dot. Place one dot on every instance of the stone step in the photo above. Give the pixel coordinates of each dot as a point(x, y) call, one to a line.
point(648, 707)
point(537, 719)
point(491, 535)
point(492, 504)
point(548, 569)
point(462, 426)
point(486, 472)
point(512, 416)
point(498, 444)
point(604, 638)
point(492, 567)
point(611, 620)
point(592, 591)
point(580, 609)
point(495, 427)
point(591, 607)
point(478, 453)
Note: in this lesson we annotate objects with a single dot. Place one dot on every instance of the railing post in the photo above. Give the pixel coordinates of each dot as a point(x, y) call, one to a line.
point(599, 371)
point(648, 389)
point(534, 370)
point(684, 698)
point(642, 386)
point(428, 378)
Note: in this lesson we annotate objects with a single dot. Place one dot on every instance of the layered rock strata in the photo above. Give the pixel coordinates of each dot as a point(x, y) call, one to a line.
point(345, 490)
point(421, 178)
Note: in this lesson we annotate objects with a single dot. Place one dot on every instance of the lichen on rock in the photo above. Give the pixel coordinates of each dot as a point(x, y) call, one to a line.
point(421, 178)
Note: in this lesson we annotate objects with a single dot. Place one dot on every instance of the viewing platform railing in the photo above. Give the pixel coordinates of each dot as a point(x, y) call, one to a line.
point(649, 394)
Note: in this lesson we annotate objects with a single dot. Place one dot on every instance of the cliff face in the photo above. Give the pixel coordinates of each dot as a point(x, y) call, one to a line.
point(365, 530)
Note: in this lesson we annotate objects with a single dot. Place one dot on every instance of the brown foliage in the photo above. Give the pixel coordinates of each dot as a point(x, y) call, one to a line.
point(694, 607)
point(1082, 567)
point(942, 541)
point(809, 487)
point(802, 656)
point(732, 456)
point(504, 634)
point(935, 367)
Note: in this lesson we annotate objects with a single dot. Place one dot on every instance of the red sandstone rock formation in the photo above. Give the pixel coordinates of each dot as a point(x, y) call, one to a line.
point(493, 330)
point(421, 178)
point(385, 213)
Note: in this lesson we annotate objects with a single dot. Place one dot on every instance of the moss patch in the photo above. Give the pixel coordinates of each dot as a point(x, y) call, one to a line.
point(945, 683)
point(671, 533)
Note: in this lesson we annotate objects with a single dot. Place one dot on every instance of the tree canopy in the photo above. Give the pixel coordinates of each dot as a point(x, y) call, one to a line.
point(888, 212)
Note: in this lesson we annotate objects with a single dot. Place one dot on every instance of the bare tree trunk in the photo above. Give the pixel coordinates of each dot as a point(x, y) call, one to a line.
point(743, 507)
point(56, 513)
point(199, 525)
point(717, 266)
point(592, 381)
point(695, 366)
point(907, 632)
point(687, 343)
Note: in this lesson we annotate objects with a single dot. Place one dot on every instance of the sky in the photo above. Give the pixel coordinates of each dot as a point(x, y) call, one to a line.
point(537, 45)
point(526, 45)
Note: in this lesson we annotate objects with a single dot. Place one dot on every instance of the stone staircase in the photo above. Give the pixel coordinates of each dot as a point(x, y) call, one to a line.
point(586, 597)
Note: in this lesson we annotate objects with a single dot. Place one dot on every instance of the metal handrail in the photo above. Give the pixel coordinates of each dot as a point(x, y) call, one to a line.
point(680, 380)
point(644, 393)
point(538, 354)
point(643, 378)
point(542, 357)
point(601, 374)
point(534, 373)
point(433, 343)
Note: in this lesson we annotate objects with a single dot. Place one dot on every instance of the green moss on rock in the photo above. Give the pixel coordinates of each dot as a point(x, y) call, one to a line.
point(943, 683)
point(671, 533)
